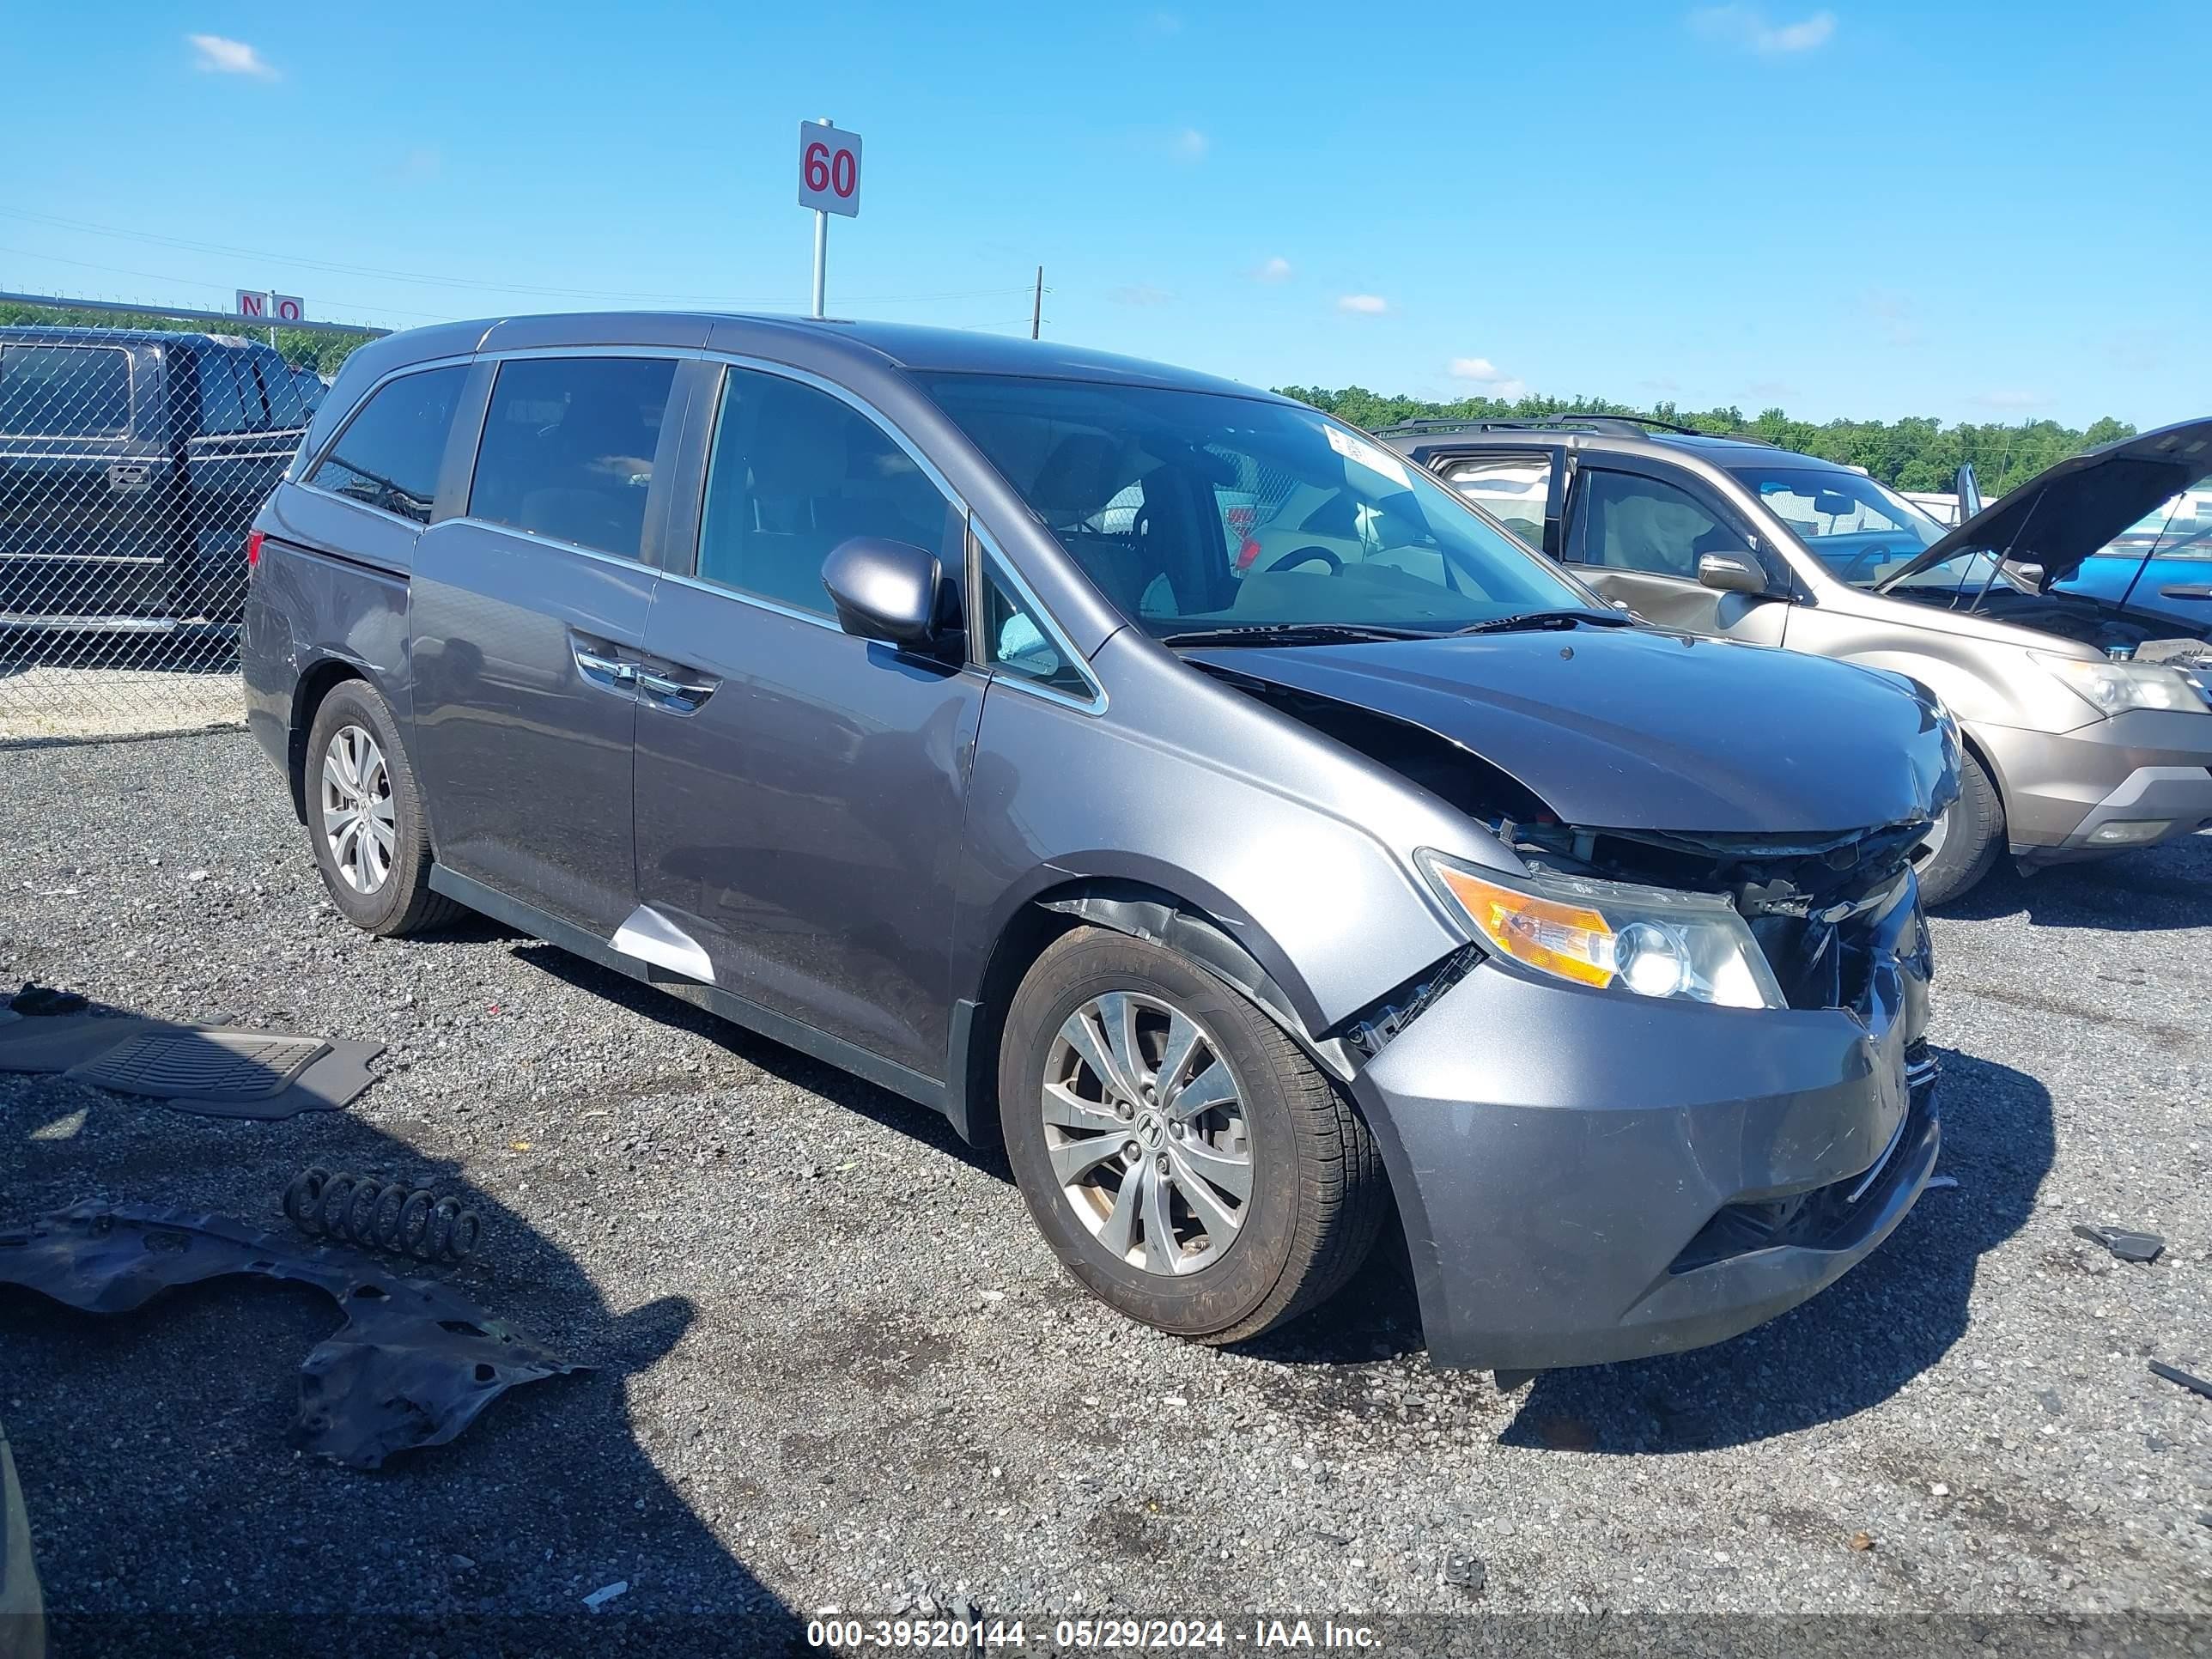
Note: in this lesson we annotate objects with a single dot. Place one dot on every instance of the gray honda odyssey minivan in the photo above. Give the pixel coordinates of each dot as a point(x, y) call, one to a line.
point(921, 700)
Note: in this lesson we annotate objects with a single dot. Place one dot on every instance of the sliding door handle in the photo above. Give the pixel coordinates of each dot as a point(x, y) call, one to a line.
point(612, 672)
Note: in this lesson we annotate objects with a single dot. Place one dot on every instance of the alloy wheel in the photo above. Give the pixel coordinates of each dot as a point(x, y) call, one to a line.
point(358, 819)
point(1146, 1131)
point(1938, 833)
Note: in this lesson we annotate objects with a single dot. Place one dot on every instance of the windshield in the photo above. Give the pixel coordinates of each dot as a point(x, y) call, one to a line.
point(1860, 530)
point(1197, 510)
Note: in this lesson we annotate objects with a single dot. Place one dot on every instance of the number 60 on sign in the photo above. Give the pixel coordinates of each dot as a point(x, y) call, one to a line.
point(828, 169)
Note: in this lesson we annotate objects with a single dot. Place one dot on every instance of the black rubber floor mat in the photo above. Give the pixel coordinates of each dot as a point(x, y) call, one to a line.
point(196, 1064)
point(214, 1071)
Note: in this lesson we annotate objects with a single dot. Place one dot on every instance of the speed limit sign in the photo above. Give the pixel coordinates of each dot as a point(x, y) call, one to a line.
point(828, 169)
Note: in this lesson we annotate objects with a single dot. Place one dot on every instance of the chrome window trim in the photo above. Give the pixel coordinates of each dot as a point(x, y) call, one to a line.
point(130, 394)
point(994, 556)
point(844, 395)
point(621, 560)
point(996, 565)
point(700, 585)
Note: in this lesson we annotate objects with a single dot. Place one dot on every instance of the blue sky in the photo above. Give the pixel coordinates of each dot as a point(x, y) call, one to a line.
point(1869, 208)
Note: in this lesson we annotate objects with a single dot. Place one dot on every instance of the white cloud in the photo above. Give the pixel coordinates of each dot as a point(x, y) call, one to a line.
point(1276, 270)
point(1892, 314)
point(1164, 22)
point(1660, 383)
point(217, 56)
point(1772, 389)
point(1140, 294)
point(1191, 144)
point(1747, 28)
point(1494, 381)
point(1363, 305)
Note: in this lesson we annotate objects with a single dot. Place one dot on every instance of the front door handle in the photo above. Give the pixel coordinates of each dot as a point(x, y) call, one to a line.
point(678, 696)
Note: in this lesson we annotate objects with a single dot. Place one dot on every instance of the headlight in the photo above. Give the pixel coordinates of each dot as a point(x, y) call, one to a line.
point(1649, 940)
point(2113, 688)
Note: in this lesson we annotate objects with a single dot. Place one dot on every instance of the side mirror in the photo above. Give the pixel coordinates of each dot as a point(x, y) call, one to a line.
point(1729, 573)
point(2029, 573)
point(886, 589)
point(1970, 492)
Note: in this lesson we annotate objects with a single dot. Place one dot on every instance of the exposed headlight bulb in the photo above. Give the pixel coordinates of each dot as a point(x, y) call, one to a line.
point(1650, 960)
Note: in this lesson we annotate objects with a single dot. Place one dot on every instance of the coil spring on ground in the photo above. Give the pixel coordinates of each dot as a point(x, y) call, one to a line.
point(381, 1215)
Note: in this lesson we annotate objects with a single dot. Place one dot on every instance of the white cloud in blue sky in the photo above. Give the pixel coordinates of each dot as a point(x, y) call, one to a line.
point(220, 56)
point(1748, 27)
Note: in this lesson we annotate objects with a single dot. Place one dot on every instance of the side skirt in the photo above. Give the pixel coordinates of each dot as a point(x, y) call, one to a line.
point(777, 1027)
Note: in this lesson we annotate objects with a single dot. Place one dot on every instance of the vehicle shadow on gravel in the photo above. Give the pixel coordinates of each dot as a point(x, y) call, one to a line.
point(2159, 889)
point(1858, 1342)
point(932, 1129)
point(168, 1511)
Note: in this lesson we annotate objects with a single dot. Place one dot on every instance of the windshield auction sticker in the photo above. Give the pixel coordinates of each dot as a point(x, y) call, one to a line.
point(1353, 447)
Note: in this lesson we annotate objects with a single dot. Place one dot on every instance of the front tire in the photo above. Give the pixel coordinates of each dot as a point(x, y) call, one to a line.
point(1967, 838)
point(365, 817)
point(1183, 1157)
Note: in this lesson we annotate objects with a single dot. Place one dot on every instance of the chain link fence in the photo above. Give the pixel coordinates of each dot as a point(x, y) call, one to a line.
point(135, 450)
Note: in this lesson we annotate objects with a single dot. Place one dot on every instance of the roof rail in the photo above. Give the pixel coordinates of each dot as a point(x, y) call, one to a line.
point(1632, 425)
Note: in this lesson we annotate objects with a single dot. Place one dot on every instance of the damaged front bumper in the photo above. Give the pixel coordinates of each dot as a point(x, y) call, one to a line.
point(1587, 1176)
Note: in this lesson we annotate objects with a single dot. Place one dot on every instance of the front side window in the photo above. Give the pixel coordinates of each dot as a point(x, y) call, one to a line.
point(389, 455)
point(1634, 523)
point(568, 448)
point(1016, 640)
point(1861, 531)
point(1199, 510)
point(64, 392)
point(1512, 488)
point(794, 472)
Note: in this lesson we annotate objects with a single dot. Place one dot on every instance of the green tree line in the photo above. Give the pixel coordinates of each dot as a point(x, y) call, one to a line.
point(1913, 452)
point(302, 347)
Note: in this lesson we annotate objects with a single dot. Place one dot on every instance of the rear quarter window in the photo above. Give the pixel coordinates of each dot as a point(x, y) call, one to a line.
point(389, 455)
point(64, 392)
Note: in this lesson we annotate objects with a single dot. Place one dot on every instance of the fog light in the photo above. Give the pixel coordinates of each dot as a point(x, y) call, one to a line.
point(2130, 834)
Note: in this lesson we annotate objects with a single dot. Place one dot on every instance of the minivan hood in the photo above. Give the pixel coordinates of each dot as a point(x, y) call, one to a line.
point(2067, 512)
point(1632, 728)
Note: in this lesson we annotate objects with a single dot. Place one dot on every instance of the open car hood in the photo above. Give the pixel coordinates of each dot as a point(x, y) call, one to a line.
point(2068, 512)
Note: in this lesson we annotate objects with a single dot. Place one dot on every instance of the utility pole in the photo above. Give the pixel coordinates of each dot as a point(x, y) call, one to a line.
point(1036, 305)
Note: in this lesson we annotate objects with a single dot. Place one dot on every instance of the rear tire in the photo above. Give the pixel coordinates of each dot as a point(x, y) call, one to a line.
point(365, 817)
point(1224, 1267)
point(1973, 833)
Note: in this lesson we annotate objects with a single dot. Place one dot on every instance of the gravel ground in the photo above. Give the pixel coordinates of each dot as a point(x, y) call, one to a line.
point(838, 1368)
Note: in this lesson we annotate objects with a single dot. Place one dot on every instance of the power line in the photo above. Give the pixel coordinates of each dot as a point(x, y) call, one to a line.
point(476, 285)
point(189, 281)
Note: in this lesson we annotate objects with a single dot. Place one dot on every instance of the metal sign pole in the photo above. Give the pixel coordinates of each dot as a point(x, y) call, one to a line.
point(821, 245)
point(821, 255)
